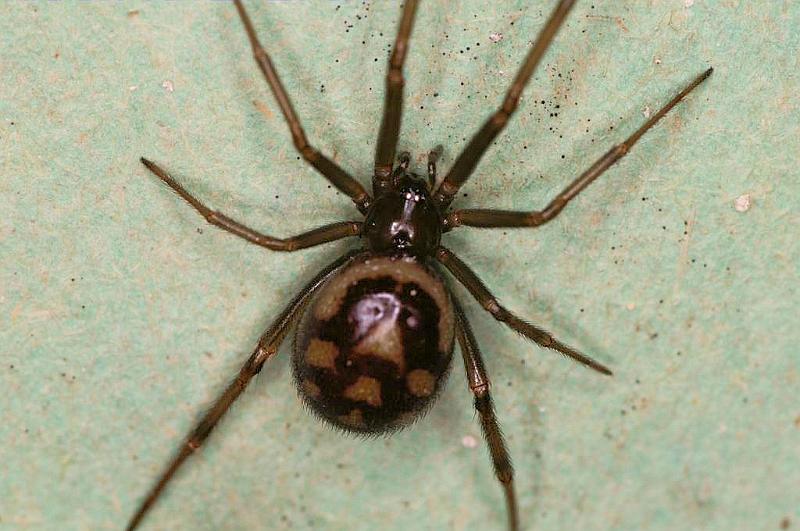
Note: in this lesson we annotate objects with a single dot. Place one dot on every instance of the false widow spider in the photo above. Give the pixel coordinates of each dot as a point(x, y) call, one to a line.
point(376, 327)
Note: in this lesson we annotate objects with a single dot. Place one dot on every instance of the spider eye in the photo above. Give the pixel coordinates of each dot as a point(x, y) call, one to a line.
point(401, 240)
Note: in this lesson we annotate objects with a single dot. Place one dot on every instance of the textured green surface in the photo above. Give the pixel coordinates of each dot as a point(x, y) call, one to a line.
point(122, 313)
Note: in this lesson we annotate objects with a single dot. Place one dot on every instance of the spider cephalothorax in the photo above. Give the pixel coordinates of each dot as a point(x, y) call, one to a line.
point(404, 218)
point(376, 327)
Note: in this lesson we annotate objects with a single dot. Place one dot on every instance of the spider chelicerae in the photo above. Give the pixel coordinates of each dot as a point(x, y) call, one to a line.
point(376, 328)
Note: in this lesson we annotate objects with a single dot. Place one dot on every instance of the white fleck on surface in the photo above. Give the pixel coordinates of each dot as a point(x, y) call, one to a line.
point(631, 306)
point(495, 36)
point(132, 88)
point(742, 203)
point(168, 86)
point(468, 441)
point(688, 3)
point(657, 60)
point(647, 111)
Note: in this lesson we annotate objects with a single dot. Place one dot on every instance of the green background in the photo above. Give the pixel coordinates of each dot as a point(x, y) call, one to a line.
point(122, 314)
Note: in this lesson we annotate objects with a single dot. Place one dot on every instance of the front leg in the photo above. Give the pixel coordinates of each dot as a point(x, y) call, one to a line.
point(339, 178)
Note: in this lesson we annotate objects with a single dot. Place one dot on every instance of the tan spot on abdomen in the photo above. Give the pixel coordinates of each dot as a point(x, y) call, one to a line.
point(354, 419)
point(420, 383)
point(384, 341)
point(321, 354)
point(310, 389)
point(365, 389)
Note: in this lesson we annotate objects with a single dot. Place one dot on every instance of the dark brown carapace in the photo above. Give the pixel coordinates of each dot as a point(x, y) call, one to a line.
point(376, 327)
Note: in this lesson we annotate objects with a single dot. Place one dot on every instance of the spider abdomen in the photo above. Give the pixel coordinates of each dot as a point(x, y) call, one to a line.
point(375, 344)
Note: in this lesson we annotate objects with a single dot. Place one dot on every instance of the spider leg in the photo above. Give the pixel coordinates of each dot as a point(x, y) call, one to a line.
point(404, 160)
point(505, 218)
point(433, 157)
point(476, 287)
point(393, 102)
point(268, 345)
point(479, 384)
point(320, 235)
point(336, 175)
point(468, 159)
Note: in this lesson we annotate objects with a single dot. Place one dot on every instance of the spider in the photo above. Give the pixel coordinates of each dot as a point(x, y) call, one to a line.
point(376, 328)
